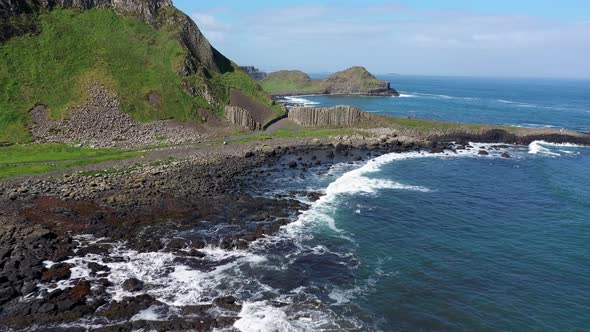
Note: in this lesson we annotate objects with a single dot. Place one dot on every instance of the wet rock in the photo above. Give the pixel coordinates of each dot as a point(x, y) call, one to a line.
point(292, 164)
point(506, 155)
point(133, 285)
point(28, 288)
point(7, 294)
point(95, 267)
point(57, 272)
point(228, 303)
point(128, 307)
point(483, 153)
point(438, 149)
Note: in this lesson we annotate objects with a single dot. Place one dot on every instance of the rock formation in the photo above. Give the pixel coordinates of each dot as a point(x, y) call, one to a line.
point(338, 116)
point(352, 81)
point(254, 73)
point(241, 118)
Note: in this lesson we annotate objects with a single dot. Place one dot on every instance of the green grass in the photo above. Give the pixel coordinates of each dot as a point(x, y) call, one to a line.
point(131, 58)
point(49, 152)
point(304, 132)
point(294, 81)
point(12, 171)
point(428, 125)
point(17, 160)
point(298, 82)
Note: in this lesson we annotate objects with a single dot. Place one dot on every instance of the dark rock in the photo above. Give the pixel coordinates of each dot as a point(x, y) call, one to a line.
point(506, 155)
point(133, 285)
point(483, 153)
point(438, 149)
point(28, 288)
point(292, 164)
point(95, 267)
point(228, 303)
point(57, 272)
point(128, 307)
point(7, 294)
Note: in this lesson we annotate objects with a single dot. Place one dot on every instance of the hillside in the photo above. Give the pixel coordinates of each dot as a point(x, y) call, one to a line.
point(352, 81)
point(291, 81)
point(146, 52)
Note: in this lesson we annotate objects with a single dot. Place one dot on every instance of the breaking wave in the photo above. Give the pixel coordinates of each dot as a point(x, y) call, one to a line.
point(301, 101)
point(251, 275)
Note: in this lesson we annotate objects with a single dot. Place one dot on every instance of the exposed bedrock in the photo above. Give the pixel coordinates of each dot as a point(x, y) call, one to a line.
point(241, 118)
point(338, 116)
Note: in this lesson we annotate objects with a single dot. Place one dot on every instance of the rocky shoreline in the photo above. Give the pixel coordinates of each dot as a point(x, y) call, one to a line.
point(45, 222)
point(212, 193)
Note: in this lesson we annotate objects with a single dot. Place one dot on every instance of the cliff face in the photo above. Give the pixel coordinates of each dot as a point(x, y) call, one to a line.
point(200, 51)
point(136, 48)
point(353, 81)
point(338, 116)
point(254, 73)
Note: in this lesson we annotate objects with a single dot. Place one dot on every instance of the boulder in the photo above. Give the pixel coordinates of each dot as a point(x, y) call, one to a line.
point(133, 285)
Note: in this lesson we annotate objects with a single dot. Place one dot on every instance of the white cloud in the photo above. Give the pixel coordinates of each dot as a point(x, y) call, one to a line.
point(394, 38)
point(214, 29)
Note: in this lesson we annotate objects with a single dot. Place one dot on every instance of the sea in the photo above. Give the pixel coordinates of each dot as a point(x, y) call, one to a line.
point(416, 241)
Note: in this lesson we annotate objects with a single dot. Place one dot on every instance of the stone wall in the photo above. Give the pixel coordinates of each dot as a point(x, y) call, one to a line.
point(338, 116)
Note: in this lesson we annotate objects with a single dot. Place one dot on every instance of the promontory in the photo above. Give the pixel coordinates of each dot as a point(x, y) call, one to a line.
point(356, 81)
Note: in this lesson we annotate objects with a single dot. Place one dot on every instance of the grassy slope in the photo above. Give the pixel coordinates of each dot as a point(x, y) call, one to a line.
point(298, 82)
point(292, 81)
point(40, 158)
point(358, 76)
point(131, 58)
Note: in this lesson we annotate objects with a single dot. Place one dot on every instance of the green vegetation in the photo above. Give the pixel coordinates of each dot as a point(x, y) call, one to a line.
point(290, 81)
point(303, 132)
point(355, 79)
point(18, 160)
point(359, 77)
point(131, 58)
point(429, 125)
point(49, 152)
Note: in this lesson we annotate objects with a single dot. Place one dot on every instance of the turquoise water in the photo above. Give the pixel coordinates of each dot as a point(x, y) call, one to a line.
point(416, 242)
point(516, 102)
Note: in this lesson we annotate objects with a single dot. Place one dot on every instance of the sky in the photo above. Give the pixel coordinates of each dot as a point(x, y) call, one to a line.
point(493, 38)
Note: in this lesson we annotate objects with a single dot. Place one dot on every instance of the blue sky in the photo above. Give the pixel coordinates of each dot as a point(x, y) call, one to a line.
point(521, 38)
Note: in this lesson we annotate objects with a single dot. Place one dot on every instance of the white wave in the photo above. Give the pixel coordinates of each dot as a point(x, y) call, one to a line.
point(436, 95)
point(260, 316)
point(150, 314)
point(302, 101)
point(507, 101)
point(543, 147)
point(405, 95)
point(177, 284)
point(516, 103)
point(442, 96)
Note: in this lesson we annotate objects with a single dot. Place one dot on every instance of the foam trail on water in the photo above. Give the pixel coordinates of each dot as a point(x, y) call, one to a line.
point(542, 147)
point(302, 101)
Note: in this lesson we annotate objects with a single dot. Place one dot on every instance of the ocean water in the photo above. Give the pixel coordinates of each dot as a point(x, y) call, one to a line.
point(456, 242)
point(414, 241)
point(515, 102)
